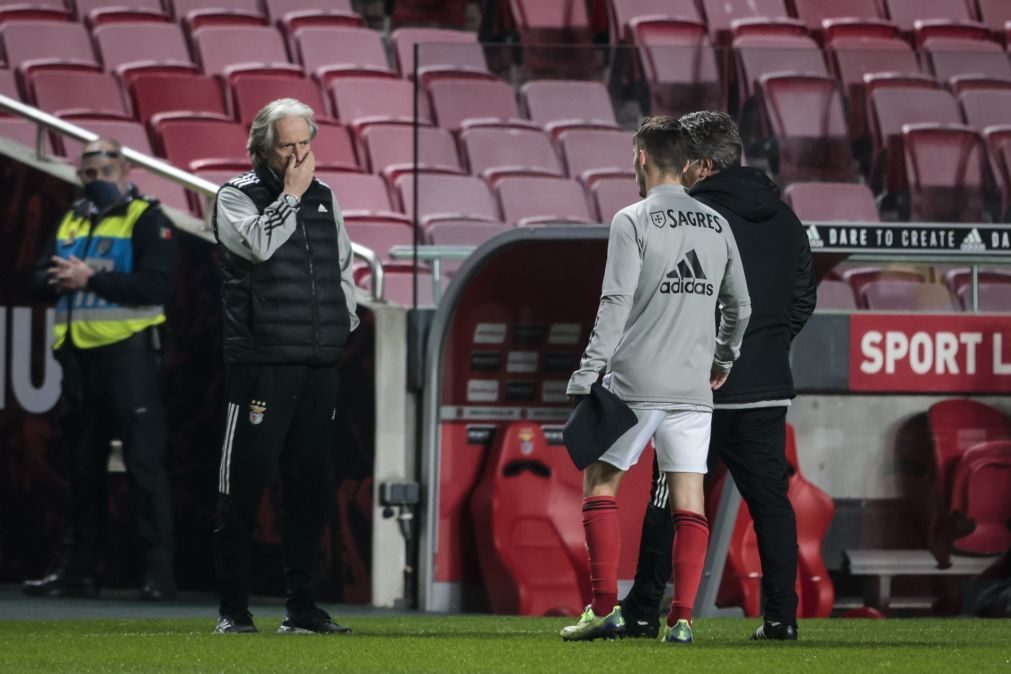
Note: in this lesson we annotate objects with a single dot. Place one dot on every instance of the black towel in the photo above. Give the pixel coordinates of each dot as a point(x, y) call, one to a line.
point(595, 423)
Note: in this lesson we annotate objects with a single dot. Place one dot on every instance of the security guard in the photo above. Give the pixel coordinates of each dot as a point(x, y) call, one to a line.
point(109, 270)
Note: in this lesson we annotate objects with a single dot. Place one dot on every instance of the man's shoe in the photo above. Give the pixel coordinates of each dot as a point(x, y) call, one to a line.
point(316, 621)
point(591, 627)
point(771, 629)
point(637, 624)
point(678, 633)
point(236, 623)
point(58, 585)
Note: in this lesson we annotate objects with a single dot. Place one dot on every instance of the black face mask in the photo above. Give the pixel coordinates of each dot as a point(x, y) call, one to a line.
point(102, 193)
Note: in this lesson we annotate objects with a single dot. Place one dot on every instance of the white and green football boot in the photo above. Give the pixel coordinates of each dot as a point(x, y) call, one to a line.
point(591, 627)
point(678, 633)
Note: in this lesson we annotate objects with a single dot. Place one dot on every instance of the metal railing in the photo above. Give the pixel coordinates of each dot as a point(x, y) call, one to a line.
point(207, 190)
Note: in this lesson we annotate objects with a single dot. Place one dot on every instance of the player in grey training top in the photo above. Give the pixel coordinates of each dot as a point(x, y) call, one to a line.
point(669, 261)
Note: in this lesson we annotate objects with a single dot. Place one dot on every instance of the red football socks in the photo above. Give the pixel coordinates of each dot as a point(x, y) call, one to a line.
point(603, 542)
point(691, 538)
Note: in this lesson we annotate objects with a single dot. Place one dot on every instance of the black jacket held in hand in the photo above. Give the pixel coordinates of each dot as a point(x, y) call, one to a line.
point(777, 263)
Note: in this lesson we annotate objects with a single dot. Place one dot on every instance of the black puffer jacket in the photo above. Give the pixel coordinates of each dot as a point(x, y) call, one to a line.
point(777, 264)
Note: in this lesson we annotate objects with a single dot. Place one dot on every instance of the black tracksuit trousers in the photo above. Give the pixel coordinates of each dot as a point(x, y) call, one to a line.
point(111, 392)
point(275, 415)
point(752, 443)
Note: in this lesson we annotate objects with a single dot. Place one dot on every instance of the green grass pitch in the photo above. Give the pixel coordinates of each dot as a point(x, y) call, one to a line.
point(499, 644)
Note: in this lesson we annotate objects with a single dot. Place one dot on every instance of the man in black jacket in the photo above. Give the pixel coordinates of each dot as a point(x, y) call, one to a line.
point(109, 270)
point(289, 305)
point(749, 420)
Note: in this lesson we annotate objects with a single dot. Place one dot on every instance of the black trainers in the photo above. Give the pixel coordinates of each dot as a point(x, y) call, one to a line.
point(771, 629)
point(237, 623)
point(637, 624)
point(59, 585)
point(315, 621)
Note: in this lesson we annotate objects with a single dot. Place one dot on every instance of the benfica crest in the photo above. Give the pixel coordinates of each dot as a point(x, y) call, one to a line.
point(256, 411)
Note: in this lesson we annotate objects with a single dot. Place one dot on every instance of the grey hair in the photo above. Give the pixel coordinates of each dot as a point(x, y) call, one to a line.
point(261, 133)
point(713, 135)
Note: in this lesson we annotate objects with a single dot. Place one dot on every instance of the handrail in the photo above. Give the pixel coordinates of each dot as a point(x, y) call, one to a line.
point(204, 188)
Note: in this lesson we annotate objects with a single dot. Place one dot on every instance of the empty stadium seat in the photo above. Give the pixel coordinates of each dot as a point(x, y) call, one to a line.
point(440, 12)
point(77, 93)
point(721, 14)
point(894, 295)
point(442, 53)
point(24, 132)
point(493, 153)
point(998, 144)
point(905, 13)
point(447, 197)
point(956, 425)
point(815, 12)
point(836, 295)
point(226, 51)
point(329, 52)
point(460, 103)
point(39, 10)
point(986, 107)
point(399, 284)
point(957, 278)
point(564, 24)
point(945, 169)
point(623, 11)
point(980, 493)
point(528, 528)
point(557, 105)
point(380, 235)
point(200, 13)
point(290, 15)
point(953, 57)
point(133, 48)
point(99, 12)
point(251, 92)
point(155, 95)
point(536, 200)
point(679, 65)
point(41, 44)
point(995, 15)
point(8, 86)
point(333, 148)
point(805, 116)
point(390, 150)
point(164, 190)
point(858, 277)
point(610, 195)
point(831, 202)
point(361, 101)
point(192, 144)
point(994, 296)
point(362, 196)
point(591, 154)
point(764, 55)
point(962, 83)
point(463, 233)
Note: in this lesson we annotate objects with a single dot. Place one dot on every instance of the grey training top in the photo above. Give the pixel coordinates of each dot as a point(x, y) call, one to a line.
point(669, 259)
point(254, 236)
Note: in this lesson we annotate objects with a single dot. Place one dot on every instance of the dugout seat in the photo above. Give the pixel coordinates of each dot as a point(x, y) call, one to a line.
point(956, 425)
point(980, 492)
point(528, 527)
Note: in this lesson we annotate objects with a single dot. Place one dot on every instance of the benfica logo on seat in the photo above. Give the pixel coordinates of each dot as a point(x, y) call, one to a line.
point(256, 411)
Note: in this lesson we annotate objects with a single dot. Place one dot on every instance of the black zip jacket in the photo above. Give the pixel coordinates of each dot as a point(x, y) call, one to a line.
point(777, 264)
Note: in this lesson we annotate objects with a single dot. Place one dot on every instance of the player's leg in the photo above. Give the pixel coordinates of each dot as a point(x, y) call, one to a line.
point(641, 605)
point(601, 479)
point(754, 450)
point(682, 443)
point(259, 405)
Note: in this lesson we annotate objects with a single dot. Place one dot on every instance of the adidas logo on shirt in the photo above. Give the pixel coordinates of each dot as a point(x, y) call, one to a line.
point(687, 278)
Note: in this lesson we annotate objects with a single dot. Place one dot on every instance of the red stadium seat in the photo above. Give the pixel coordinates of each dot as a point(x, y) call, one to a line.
point(945, 167)
point(980, 493)
point(905, 13)
point(836, 295)
point(399, 284)
point(442, 53)
point(193, 144)
point(623, 11)
point(439, 12)
point(327, 53)
point(155, 95)
point(361, 101)
point(362, 197)
point(134, 48)
point(77, 93)
point(47, 44)
point(955, 426)
point(953, 57)
point(200, 13)
point(535, 201)
point(9, 86)
point(494, 153)
point(290, 15)
point(457, 104)
point(447, 197)
point(251, 92)
point(130, 134)
point(986, 107)
point(334, 148)
point(959, 278)
point(227, 51)
point(591, 154)
point(759, 55)
point(963, 83)
point(994, 296)
point(679, 65)
point(610, 195)
point(721, 14)
point(998, 143)
point(38, 10)
point(565, 24)
point(100, 12)
point(806, 118)
point(859, 277)
point(380, 235)
point(390, 150)
point(557, 105)
point(528, 528)
point(24, 132)
point(815, 12)
point(995, 14)
point(832, 202)
point(888, 295)
point(463, 233)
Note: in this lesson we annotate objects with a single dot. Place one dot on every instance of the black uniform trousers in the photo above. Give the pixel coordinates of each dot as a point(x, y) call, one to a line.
point(276, 416)
point(752, 444)
point(114, 392)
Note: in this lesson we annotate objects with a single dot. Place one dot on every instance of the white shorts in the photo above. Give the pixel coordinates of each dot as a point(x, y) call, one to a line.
point(681, 440)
